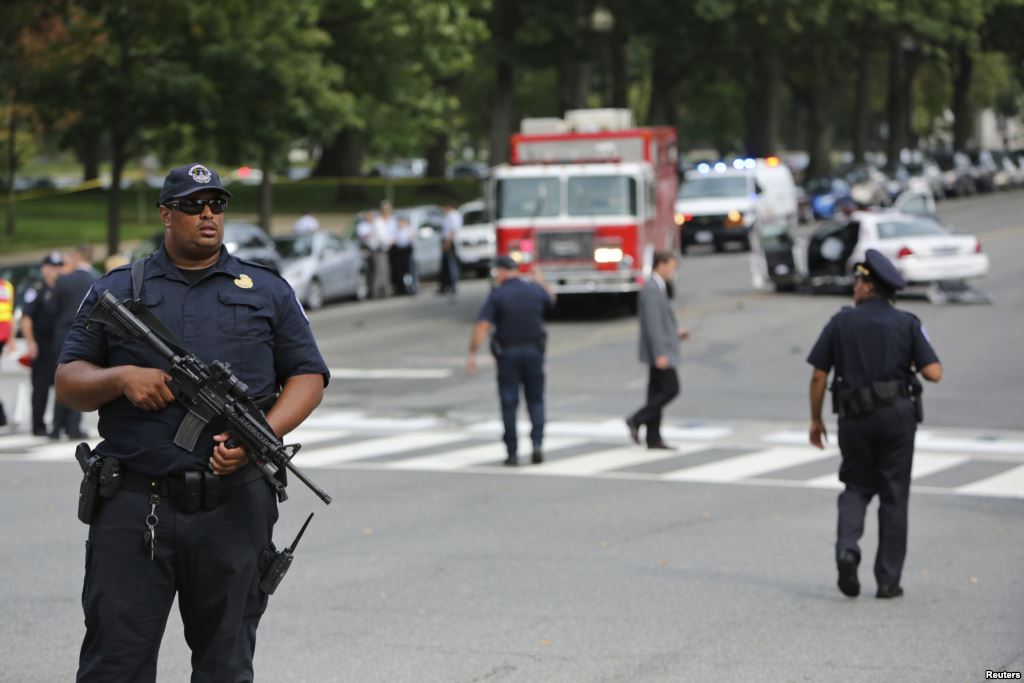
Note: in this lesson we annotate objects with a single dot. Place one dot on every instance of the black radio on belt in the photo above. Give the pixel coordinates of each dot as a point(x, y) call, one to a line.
point(281, 562)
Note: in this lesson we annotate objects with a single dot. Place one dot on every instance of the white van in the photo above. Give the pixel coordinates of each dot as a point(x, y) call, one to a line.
point(718, 204)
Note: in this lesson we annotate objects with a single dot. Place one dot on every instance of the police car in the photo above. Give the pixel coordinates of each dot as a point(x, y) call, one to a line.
point(924, 250)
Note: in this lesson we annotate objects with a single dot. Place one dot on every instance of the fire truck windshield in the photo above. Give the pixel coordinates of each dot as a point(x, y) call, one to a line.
point(608, 195)
point(528, 197)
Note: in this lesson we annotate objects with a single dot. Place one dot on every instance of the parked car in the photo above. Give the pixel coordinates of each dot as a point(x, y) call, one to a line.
point(467, 169)
point(401, 168)
point(1009, 174)
point(476, 245)
point(320, 267)
point(921, 248)
point(243, 240)
point(867, 185)
point(829, 195)
point(957, 175)
point(926, 173)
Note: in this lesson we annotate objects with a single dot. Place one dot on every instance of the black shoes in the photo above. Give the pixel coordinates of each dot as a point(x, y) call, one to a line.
point(847, 564)
point(39, 431)
point(659, 445)
point(511, 461)
point(889, 591)
point(634, 430)
point(537, 457)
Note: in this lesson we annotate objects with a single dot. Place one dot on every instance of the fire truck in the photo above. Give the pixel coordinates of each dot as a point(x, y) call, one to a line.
point(588, 198)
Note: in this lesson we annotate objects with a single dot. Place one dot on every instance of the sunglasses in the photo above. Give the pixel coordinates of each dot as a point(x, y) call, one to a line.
point(194, 207)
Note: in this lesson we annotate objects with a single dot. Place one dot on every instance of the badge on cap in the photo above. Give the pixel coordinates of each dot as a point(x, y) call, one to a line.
point(200, 174)
point(244, 281)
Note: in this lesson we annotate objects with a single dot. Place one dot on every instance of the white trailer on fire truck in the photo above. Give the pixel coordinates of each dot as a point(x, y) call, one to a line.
point(589, 199)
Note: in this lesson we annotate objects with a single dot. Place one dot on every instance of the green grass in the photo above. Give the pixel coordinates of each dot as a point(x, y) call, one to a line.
point(60, 219)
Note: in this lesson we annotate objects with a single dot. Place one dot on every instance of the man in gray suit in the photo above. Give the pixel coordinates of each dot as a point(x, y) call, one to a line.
point(660, 335)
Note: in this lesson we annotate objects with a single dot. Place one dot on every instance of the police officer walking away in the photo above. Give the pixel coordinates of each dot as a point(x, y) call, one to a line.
point(212, 513)
point(68, 292)
point(514, 316)
point(876, 351)
point(38, 326)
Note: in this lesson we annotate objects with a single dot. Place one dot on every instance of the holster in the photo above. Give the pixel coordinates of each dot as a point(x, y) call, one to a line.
point(89, 489)
point(496, 347)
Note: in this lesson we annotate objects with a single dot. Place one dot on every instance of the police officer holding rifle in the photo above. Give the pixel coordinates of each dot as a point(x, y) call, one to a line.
point(875, 351)
point(172, 519)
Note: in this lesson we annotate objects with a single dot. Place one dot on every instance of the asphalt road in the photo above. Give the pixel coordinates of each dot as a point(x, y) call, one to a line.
point(479, 573)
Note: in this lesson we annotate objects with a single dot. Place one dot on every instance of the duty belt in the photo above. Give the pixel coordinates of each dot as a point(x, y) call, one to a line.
point(190, 490)
point(867, 399)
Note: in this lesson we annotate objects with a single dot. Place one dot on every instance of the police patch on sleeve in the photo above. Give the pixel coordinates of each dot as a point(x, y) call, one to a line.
point(31, 295)
point(302, 309)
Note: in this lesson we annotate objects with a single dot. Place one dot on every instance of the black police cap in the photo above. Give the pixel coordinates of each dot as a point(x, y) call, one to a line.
point(881, 271)
point(54, 258)
point(186, 180)
point(506, 262)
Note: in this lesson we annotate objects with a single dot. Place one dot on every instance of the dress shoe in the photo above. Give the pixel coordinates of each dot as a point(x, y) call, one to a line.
point(537, 457)
point(848, 583)
point(889, 591)
point(659, 446)
point(39, 431)
point(53, 436)
point(634, 430)
point(511, 461)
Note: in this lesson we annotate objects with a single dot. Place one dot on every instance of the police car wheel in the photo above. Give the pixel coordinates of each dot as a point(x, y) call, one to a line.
point(315, 296)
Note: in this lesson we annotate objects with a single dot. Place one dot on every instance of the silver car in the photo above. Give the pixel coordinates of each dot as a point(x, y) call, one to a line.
point(320, 266)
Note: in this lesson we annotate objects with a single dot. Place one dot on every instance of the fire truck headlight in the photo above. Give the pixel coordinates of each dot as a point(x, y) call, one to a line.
point(607, 254)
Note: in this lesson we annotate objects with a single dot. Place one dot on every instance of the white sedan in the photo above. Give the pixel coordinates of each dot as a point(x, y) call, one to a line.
point(922, 249)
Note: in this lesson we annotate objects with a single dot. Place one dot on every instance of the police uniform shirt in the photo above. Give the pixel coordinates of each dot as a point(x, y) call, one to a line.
point(38, 305)
point(516, 309)
point(239, 313)
point(872, 342)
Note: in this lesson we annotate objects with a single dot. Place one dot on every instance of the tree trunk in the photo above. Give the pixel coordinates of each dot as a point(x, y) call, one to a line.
point(435, 154)
point(12, 170)
point(663, 109)
point(821, 131)
point(860, 105)
point(962, 71)
point(764, 102)
point(266, 211)
point(117, 161)
point(620, 76)
point(89, 156)
point(896, 102)
point(501, 112)
point(574, 78)
point(343, 157)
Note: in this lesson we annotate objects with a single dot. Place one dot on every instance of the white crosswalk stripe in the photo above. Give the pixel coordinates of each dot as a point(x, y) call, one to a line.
point(705, 453)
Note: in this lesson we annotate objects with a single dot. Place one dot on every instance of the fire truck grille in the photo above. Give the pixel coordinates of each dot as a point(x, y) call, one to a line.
point(565, 246)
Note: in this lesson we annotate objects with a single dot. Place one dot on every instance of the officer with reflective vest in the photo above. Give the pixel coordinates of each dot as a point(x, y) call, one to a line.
point(6, 320)
point(875, 352)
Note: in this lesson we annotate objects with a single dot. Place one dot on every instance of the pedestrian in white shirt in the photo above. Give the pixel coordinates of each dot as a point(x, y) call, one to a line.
point(449, 259)
point(306, 224)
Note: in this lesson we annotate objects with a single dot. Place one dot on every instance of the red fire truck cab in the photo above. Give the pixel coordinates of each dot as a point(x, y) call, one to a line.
point(589, 206)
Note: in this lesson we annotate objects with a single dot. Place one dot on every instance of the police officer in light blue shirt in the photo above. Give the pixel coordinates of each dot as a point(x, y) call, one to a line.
point(514, 315)
point(215, 513)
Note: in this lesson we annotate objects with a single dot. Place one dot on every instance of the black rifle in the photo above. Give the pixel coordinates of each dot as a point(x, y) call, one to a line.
point(209, 391)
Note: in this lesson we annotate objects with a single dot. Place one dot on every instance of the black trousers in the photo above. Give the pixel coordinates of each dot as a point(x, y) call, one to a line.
point(400, 259)
point(211, 559)
point(878, 450)
point(521, 366)
point(662, 387)
point(43, 369)
point(449, 277)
